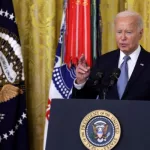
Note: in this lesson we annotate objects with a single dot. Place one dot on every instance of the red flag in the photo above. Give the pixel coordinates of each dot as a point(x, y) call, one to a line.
point(78, 31)
point(86, 34)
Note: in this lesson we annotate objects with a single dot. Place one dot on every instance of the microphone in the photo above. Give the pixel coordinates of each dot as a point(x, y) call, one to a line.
point(111, 81)
point(98, 77)
point(114, 77)
point(95, 79)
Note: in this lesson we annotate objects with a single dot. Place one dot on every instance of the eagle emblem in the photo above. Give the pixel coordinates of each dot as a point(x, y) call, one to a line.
point(8, 92)
point(100, 130)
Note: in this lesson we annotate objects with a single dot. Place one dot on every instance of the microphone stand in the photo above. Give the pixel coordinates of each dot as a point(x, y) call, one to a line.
point(107, 86)
point(105, 90)
point(112, 81)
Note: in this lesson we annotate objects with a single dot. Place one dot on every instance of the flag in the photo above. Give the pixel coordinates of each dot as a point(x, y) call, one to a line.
point(78, 32)
point(62, 77)
point(95, 29)
point(13, 112)
point(74, 40)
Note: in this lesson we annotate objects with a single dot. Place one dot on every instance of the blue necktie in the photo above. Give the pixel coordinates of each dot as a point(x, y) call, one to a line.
point(123, 79)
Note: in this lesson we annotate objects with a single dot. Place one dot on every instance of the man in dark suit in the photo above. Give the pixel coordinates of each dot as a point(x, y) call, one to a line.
point(136, 69)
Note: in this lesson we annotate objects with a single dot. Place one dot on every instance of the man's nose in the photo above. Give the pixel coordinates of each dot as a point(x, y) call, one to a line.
point(123, 36)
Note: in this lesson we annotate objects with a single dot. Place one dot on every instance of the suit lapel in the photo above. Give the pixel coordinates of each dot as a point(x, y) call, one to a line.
point(114, 62)
point(139, 67)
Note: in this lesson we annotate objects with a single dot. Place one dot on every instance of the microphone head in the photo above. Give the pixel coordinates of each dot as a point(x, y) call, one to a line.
point(99, 75)
point(116, 73)
point(114, 76)
point(95, 78)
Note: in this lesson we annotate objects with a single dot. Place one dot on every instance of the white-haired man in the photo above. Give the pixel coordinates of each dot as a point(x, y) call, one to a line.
point(130, 57)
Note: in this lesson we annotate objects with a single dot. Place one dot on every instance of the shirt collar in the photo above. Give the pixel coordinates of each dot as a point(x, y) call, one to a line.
point(133, 56)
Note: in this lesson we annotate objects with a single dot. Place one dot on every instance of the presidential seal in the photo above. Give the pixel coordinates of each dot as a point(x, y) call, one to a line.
point(100, 130)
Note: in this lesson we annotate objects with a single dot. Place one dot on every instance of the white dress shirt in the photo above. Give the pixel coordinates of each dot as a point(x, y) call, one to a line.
point(131, 64)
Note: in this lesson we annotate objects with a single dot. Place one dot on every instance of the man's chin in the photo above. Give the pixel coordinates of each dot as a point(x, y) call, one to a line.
point(126, 51)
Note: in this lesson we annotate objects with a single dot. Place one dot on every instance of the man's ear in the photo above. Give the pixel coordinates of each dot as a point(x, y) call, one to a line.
point(141, 33)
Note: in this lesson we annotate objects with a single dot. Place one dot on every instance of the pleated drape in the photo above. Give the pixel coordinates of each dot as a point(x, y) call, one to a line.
point(39, 22)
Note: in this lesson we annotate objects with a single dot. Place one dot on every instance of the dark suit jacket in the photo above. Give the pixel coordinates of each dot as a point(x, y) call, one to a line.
point(138, 87)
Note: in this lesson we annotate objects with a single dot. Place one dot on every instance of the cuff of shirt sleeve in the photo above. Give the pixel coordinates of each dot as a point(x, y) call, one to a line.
point(78, 86)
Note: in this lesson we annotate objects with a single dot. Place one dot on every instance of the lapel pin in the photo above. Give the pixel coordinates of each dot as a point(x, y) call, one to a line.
point(142, 64)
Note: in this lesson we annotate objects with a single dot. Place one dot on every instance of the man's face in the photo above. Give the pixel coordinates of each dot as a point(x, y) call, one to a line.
point(127, 34)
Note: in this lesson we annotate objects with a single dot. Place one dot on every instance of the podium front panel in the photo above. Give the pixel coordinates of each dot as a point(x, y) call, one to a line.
point(66, 116)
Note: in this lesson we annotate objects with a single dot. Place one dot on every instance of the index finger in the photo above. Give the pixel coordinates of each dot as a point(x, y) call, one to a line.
point(82, 59)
